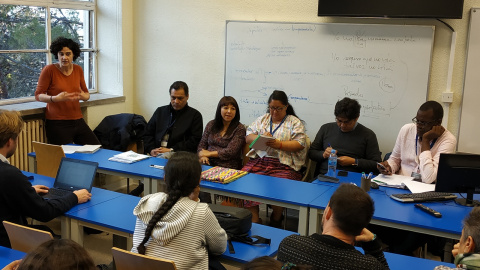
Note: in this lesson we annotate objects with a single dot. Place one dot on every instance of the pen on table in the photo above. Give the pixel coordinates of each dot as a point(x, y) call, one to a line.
point(370, 175)
point(157, 166)
point(379, 182)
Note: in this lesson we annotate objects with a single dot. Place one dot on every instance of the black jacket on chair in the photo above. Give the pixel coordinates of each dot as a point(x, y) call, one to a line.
point(117, 131)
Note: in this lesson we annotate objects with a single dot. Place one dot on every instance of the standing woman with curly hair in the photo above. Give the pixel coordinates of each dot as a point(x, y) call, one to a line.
point(175, 225)
point(62, 85)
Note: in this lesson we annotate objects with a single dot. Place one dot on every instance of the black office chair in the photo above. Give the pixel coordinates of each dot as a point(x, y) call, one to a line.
point(387, 155)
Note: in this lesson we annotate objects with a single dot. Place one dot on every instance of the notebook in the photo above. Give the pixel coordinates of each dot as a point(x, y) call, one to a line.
point(73, 174)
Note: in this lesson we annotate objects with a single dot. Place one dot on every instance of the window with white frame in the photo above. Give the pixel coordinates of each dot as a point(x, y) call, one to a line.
point(27, 28)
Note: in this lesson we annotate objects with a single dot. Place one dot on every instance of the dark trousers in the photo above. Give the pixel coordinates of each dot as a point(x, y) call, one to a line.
point(69, 131)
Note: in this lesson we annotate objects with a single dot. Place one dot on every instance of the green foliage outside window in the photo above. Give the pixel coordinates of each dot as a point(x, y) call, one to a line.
point(23, 44)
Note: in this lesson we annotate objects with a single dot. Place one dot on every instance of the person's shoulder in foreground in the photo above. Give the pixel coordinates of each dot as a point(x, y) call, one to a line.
point(344, 224)
point(467, 251)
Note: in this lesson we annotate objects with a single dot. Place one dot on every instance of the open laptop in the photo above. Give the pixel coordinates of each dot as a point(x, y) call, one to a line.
point(73, 174)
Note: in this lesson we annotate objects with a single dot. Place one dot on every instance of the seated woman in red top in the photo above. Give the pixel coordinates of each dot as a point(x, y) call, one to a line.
point(62, 86)
point(224, 137)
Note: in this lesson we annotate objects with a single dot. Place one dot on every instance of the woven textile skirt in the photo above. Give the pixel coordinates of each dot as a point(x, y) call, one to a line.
point(265, 166)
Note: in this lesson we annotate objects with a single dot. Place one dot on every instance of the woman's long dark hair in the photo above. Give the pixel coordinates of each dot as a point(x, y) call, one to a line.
point(218, 121)
point(282, 97)
point(182, 176)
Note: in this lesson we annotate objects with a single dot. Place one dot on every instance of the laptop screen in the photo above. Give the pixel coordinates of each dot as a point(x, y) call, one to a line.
point(74, 174)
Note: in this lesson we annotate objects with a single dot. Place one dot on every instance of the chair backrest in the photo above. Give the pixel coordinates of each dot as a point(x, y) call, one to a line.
point(309, 164)
point(48, 158)
point(387, 155)
point(24, 238)
point(126, 260)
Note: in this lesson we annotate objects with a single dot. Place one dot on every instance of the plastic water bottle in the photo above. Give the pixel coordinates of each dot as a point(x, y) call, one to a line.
point(332, 164)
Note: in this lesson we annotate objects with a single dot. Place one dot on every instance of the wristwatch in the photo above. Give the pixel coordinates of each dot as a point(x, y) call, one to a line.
point(356, 163)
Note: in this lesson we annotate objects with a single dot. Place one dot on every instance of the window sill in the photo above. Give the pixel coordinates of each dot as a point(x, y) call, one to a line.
point(36, 107)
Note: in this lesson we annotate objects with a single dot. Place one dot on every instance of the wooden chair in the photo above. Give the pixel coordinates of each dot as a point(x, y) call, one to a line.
point(24, 238)
point(126, 260)
point(48, 158)
point(310, 165)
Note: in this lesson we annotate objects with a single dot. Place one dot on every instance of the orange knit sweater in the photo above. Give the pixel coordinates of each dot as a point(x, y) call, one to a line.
point(52, 82)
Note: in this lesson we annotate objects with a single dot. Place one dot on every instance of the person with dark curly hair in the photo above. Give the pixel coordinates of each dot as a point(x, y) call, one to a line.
point(62, 85)
point(356, 145)
point(175, 225)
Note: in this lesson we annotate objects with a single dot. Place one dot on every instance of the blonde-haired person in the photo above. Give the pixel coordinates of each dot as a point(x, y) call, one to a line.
point(18, 198)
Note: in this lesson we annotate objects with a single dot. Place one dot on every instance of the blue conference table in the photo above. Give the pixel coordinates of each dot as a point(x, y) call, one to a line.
point(272, 190)
point(140, 170)
point(8, 255)
point(394, 214)
point(98, 196)
point(395, 261)
point(260, 188)
point(116, 216)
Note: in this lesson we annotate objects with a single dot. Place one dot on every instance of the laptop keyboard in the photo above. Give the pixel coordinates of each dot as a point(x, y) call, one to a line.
point(423, 196)
point(55, 192)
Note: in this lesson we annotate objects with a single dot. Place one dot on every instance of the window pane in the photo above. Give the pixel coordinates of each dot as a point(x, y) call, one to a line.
point(22, 27)
point(88, 69)
point(71, 23)
point(19, 74)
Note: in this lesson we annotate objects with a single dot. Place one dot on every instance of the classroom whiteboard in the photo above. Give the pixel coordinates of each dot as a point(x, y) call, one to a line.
point(385, 67)
point(468, 140)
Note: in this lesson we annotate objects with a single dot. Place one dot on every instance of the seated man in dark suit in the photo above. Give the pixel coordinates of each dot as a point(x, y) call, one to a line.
point(356, 145)
point(18, 198)
point(347, 214)
point(173, 127)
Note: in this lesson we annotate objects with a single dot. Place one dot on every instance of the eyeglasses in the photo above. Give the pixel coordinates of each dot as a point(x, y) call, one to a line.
point(422, 123)
point(277, 109)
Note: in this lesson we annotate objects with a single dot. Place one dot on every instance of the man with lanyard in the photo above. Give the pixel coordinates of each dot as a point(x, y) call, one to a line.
point(416, 153)
point(419, 145)
point(174, 127)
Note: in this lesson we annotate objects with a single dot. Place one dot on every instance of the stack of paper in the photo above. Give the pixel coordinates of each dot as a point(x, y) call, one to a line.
point(259, 146)
point(400, 181)
point(128, 157)
point(394, 180)
point(260, 143)
point(87, 148)
point(222, 175)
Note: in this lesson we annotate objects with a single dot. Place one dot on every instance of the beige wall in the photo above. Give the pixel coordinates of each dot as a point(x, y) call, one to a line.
point(168, 40)
point(115, 60)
